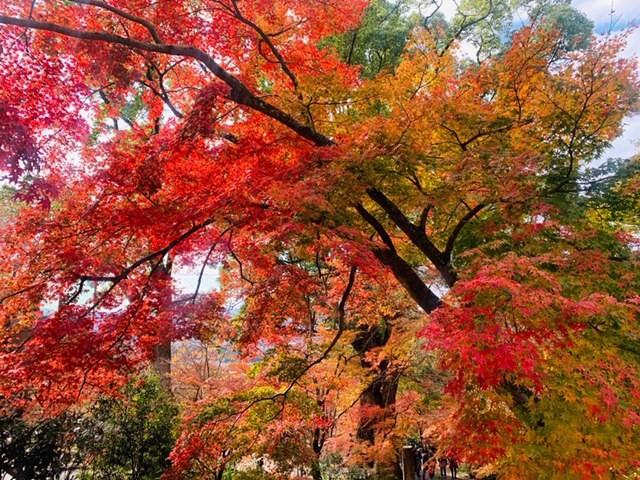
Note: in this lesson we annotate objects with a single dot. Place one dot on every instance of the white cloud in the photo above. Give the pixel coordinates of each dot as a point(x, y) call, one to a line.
point(447, 8)
point(628, 143)
point(625, 11)
point(633, 45)
point(466, 50)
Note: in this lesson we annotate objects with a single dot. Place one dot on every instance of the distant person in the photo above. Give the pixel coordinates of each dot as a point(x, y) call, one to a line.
point(423, 466)
point(443, 467)
point(419, 461)
point(429, 469)
point(453, 466)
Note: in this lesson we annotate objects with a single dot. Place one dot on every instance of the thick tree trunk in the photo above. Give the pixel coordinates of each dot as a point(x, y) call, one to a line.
point(380, 395)
point(162, 358)
point(408, 463)
point(162, 364)
point(319, 437)
point(316, 472)
point(409, 279)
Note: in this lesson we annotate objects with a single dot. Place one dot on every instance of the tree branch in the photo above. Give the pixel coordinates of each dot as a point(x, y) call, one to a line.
point(377, 226)
point(121, 13)
point(158, 253)
point(409, 279)
point(239, 92)
point(341, 327)
point(422, 224)
point(403, 272)
point(416, 234)
point(458, 228)
point(206, 261)
point(265, 38)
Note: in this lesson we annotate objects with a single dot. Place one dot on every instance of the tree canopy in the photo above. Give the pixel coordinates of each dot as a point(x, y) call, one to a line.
point(409, 242)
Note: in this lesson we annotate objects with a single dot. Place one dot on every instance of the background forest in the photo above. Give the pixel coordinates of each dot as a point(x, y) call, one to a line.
point(247, 239)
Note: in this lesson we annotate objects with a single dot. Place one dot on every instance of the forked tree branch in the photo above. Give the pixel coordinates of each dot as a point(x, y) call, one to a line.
point(151, 28)
point(265, 38)
point(401, 269)
point(416, 234)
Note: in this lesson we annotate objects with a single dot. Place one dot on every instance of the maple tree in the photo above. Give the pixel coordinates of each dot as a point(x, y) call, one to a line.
point(350, 173)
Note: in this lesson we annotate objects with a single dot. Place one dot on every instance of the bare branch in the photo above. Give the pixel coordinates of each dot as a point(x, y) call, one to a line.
point(466, 24)
point(422, 223)
point(21, 291)
point(206, 261)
